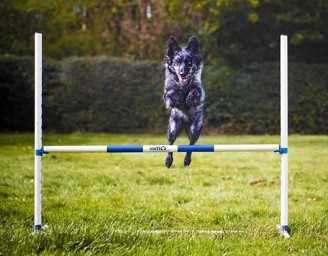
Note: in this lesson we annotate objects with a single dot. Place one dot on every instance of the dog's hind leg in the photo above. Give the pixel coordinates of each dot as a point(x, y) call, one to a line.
point(174, 128)
point(193, 132)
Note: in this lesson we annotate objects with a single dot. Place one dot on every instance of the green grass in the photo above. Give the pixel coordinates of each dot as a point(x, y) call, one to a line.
point(96, 203)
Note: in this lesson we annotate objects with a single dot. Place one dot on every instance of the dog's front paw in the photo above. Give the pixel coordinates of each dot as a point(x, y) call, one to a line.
point(168, 161)
point(187, 160)
point(193, 98)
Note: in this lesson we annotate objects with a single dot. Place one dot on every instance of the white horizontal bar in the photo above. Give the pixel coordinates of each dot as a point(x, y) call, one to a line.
point(75, 149)
point(164, 148)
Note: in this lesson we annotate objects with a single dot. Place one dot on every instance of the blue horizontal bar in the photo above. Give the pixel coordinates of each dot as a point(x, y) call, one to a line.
point(195, 148)
point(124, 148)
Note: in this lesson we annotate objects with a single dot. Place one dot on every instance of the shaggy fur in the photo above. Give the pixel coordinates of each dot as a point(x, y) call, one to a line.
point(183, 93)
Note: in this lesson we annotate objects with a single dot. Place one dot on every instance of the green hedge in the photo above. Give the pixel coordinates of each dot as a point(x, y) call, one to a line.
point(101, 94)
point(117, 95)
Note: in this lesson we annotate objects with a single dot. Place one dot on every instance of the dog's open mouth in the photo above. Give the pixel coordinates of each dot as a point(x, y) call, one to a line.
point(184, 80)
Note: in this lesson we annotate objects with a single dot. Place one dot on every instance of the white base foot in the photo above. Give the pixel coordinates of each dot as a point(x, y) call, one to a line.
point(39, 228)
point(284, 230)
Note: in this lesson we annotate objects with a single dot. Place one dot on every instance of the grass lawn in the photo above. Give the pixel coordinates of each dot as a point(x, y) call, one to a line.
point(96, 203)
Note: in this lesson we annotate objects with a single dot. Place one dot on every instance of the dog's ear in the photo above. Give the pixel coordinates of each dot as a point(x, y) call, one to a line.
point(172, 48)
point(193, 45)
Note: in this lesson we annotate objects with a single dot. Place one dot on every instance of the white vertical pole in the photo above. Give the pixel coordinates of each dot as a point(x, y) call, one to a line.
point(37, 131)
point(284, 134)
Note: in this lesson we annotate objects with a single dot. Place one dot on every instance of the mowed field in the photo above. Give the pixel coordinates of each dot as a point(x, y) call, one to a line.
point(103, 203)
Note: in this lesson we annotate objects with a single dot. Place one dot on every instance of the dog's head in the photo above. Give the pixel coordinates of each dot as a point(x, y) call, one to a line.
point(185, 62)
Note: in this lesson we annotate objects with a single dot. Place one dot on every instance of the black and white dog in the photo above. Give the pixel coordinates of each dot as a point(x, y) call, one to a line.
point(183, 93)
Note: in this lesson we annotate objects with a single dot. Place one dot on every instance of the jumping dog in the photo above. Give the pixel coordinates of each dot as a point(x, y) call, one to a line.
point(183, 93)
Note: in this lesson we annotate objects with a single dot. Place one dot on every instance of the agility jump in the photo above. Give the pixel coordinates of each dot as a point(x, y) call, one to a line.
point(282, 148)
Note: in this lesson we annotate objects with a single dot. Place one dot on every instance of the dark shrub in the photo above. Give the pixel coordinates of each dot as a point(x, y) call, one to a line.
point(117, 95)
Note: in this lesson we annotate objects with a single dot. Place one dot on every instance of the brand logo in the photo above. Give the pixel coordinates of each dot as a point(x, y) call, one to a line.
point(157, 148)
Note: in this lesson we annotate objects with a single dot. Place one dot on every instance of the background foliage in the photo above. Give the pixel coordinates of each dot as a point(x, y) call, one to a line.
point(103, 58)
point(235, 31)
